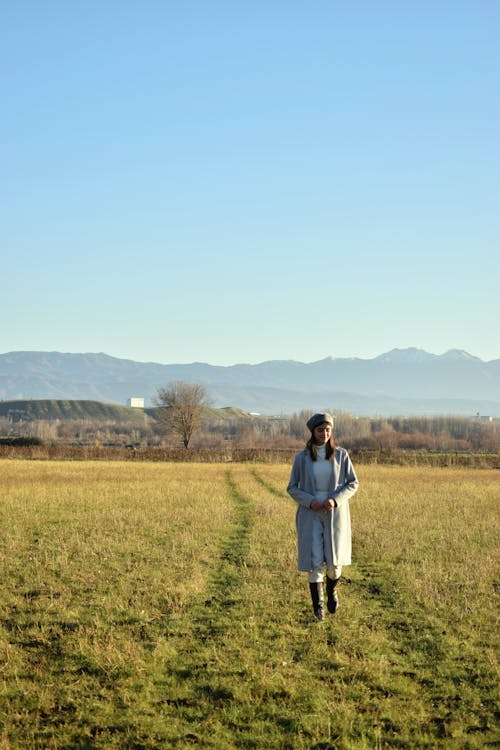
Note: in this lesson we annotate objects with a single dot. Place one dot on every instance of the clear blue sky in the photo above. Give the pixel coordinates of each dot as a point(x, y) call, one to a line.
point(241, 181)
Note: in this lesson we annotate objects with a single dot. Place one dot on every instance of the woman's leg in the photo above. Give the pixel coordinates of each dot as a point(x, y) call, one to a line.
point(332, 578)
point(317, 553)
point(316, 573)
point(334, 571)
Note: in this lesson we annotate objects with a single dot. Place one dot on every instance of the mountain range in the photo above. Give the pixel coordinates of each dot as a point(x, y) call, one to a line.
point(398, 382)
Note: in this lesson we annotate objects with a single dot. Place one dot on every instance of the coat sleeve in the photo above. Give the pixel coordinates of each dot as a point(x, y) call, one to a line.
point(351, 483)
point(299, 495)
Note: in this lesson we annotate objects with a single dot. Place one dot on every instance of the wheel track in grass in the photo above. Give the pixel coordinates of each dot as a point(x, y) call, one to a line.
point(201, 677)
point(226, 578)
point(269, 486)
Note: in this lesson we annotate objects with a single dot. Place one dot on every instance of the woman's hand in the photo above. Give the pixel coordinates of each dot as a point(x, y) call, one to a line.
point(328, 505)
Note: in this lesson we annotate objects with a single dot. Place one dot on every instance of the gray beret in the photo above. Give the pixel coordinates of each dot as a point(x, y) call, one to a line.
point(318, 419)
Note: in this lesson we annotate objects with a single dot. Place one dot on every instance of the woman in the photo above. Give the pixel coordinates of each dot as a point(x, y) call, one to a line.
point(322, 482)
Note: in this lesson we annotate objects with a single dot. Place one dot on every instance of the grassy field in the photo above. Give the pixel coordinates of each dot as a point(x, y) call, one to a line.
point(158, 606)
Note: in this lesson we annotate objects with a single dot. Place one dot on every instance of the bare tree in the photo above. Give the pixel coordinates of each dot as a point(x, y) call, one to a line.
point(183, 407)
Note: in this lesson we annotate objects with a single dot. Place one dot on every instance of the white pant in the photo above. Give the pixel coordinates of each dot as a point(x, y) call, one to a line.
point(316, 574)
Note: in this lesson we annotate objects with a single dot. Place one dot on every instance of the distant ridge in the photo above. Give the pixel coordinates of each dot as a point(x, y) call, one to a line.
point(401, 381)
point(27, 410)
point(57, 409)
point(412, 354)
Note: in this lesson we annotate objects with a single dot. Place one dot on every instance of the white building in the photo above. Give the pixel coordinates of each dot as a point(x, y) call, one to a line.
point(136, 402)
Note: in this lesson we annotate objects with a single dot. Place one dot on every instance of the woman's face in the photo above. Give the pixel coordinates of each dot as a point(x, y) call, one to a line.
point(322, 433)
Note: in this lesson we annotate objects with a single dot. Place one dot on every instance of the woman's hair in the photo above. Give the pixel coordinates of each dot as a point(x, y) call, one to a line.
point(313, 448)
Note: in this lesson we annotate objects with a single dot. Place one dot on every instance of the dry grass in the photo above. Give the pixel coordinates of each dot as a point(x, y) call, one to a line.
point(158, 605)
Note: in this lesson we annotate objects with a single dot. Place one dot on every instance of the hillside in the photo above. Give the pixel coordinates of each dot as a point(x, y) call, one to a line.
point(52, 409)
point(24, 410)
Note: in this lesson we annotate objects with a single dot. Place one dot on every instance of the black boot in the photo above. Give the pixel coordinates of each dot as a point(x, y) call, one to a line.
point(332, 601)
point(316, 590)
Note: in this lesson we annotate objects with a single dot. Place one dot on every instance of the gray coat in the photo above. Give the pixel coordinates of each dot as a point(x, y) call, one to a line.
point(343, 485)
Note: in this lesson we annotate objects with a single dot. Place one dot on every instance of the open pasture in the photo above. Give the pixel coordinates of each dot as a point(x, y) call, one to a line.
point(158, 606)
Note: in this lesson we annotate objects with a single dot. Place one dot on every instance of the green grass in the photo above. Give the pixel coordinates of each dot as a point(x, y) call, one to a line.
point(158, 605)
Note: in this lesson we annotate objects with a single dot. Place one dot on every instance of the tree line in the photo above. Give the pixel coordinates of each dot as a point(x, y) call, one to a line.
point(184, 417)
